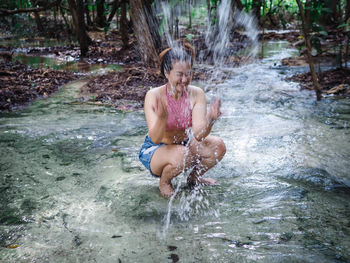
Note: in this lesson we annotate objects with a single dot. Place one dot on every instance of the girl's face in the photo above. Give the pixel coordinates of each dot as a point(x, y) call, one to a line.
point(180, 76)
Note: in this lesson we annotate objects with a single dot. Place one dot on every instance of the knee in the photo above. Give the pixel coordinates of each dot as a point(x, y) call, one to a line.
point(220, 148)
point(177, 160)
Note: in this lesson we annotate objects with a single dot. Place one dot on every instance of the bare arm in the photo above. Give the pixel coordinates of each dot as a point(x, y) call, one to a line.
point(156, 116)
point(203, 121)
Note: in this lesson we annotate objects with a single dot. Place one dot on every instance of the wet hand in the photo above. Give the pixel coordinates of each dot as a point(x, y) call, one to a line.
point(214, 109)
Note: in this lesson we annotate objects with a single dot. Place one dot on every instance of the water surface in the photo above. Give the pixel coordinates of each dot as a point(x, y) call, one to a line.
point(72, 188)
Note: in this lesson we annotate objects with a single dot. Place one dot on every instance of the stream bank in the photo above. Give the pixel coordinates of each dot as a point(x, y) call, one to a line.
point(21, 84)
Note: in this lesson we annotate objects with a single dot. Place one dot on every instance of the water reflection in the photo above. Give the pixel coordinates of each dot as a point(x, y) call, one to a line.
point(71, 66)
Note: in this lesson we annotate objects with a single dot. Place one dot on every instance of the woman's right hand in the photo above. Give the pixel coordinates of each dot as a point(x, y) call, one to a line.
point(160, 109)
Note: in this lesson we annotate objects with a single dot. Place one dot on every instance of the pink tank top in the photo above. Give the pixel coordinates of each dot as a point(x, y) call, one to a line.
point(179, 112)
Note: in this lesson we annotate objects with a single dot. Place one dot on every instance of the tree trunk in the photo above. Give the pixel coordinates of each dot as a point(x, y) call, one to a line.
point(39, 25)
point(256, 7)
point(263, 28)
point(347, 12)
point(237, 4)
point(87, 13)
point(153, 24)
point(143, 33)
point(55, 9)
point(309, 49)
point(115, 7)
point(100, 16)
point(209, 10)
point(77, 10)
point(124, 25)
point(38, 22)
point(330, 18)
point(189, 14)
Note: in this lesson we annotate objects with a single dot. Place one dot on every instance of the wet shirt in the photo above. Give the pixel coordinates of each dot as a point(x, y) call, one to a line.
point(179, 112)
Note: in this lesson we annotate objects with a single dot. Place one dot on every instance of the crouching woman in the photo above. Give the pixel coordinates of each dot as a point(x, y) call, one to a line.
point(179, 125)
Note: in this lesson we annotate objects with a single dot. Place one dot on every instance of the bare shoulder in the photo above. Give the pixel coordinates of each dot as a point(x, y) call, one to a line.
point(152, 93)
point(195, 90)
point(197, 93)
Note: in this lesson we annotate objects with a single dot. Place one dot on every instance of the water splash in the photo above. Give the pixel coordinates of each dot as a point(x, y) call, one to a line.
point(182, 178)
point(248, 21)
point(217, 39)
point(218, 35)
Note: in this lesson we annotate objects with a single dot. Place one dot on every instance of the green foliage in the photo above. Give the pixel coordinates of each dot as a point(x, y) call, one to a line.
point(283, 22)
point(189, 37)
point(194, 12)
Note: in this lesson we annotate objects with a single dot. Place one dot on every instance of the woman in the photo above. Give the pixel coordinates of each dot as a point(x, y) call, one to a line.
point(179, 125)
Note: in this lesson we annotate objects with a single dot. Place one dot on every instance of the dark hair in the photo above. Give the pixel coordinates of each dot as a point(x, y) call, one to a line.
point(170, 55)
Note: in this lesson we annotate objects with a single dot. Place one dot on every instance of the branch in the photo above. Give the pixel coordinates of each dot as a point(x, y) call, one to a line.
point(64, 7)
point(6, 12)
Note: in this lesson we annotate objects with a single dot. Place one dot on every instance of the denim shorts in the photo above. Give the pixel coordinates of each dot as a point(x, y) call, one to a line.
point(147, 150)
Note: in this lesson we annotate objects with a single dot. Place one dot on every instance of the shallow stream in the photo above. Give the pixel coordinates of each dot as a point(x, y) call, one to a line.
point(72, 188)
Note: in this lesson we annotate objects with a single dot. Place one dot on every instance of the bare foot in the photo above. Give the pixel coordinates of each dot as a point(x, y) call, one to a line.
point(204, 181)
point(166, 190)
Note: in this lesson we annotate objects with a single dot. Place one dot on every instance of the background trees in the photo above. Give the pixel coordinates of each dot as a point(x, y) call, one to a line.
point(324, 20)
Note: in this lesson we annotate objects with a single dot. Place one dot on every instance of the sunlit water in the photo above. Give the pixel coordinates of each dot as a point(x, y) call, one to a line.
point(72, 189)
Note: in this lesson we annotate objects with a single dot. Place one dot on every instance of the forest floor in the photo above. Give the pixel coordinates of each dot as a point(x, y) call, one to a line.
point(20, 84)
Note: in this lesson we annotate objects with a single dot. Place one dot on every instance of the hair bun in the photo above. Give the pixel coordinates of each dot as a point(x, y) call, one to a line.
point(162, 54)
point(189, 48)
point(185, 45)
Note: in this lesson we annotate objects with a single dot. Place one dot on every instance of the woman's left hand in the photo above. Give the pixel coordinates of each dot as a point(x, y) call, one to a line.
point(214, 109)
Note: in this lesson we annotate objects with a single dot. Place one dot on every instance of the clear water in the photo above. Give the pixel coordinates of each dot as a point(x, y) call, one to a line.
point(66, 65)
point(72, 189)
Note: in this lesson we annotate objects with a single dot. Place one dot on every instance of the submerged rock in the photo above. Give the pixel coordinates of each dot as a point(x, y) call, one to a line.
point(318, 178)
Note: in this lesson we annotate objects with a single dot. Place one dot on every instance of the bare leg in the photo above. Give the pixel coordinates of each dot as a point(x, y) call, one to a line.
point(168, 162)
point(207, 154)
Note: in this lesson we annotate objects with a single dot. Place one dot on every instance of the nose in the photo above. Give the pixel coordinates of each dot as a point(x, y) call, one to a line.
point(184, 79)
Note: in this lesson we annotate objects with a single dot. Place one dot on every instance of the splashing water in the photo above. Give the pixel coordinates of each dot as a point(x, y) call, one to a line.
point(217, 39)
point(248, 21)
point(218, 35)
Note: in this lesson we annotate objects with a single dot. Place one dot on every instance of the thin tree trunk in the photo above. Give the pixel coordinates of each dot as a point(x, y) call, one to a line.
point(330, 17)
point(39, 25)
point(55, 15)
point(87, 13)
point(100, 16)
point(309, 50)
point(347, 43)
point(115, 7)
point(64, 18)
point(263, 30)
point(177, 28)
point(189, 14)
point(124, 25)
point(77, 10)
point(209, 11)
point(143, 34)
point(68, 29)
point(256, 7)
point(38, 22)
point(237, 4)
point(347, 12)
point(153, 24)
point(347, 38)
